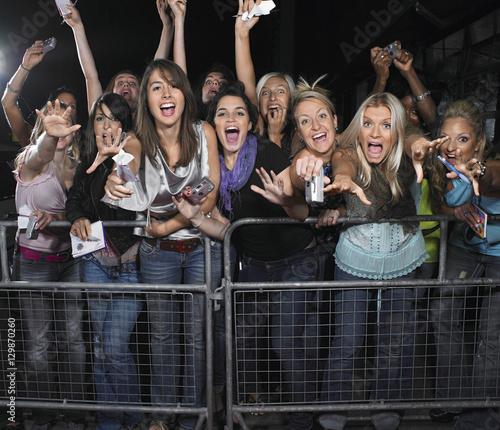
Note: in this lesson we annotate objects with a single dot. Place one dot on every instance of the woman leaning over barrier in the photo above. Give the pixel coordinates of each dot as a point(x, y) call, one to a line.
point(469, 256)
point(375, 158)
point(279, 253)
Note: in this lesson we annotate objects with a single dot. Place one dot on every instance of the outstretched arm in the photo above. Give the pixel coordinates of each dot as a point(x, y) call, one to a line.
point(32, 57)
point(244, 65)
point(167, 32)
point(344, 173)
point(87, 63)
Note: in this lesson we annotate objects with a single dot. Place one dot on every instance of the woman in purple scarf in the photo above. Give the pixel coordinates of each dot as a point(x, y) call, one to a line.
point(269, 253)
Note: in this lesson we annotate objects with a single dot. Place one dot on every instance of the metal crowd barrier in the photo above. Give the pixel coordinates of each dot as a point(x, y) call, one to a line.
point(274, 393)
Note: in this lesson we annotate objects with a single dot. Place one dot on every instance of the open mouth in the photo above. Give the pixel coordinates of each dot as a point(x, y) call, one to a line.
point(319, 137)
point(167, 109)
point(451, 158)
point(374, 148)
point(126, 94)
point(232, 134)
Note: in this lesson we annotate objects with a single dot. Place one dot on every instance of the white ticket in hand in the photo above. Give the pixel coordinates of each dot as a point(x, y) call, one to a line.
point(122, 168)
point(95, 242)
point(264, 8)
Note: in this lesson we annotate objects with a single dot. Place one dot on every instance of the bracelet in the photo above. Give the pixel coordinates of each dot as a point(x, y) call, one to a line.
point(28, 70)
point(202, 219)
point(482, 166)
point(12, 90)
point(422, 96)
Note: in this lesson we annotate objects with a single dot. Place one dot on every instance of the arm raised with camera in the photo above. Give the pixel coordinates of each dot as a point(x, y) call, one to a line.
point(22, 129)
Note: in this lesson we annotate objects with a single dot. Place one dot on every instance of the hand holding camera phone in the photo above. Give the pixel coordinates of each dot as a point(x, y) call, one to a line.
point(49, 45)
point(392, 49)
point(31, 230)
point(195, 194)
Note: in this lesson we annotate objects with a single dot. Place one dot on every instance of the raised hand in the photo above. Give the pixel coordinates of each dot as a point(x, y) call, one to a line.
point(469, 168)
point(109, 147)
point(404, 60)
point(245, 6)
point(273, 187)
point(56, 121)
point(73, 19)
point(33, 55)
point(381, 62)
point(419, 149)
point(165, 12)
point(178, 9)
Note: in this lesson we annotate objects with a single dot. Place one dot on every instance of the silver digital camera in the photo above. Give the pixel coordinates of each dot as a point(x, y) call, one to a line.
point(314, 188)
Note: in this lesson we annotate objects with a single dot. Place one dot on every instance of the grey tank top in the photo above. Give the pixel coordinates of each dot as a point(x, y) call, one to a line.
point(153, 193)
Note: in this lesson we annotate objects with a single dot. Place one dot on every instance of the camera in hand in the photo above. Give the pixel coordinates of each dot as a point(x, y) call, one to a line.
point(31, 230)
point(49, 45)
point(195, 194)
point(392, 49)
point(314, 188)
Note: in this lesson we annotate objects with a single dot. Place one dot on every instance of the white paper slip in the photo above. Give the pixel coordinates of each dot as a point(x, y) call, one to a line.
point(264, 8)
point(23, 217)
point(95, 241)
point(122, 168)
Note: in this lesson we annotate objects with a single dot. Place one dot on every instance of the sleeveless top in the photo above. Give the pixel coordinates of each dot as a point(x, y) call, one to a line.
point(156, 186)
point(383, 250)
point(45, 193)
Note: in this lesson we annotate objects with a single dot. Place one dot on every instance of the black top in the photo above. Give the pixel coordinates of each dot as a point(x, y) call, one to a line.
point(265, 242)
point(84, 200)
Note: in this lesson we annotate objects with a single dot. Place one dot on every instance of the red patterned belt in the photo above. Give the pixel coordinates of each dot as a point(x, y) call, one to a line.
point(31, 254)
point(182, 246)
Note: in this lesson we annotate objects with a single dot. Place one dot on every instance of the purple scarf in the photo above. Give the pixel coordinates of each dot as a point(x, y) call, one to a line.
point(234, 180)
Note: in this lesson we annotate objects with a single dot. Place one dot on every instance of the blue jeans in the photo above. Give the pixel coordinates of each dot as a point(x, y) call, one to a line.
point(294, 326)
point(173, 317)
point(447, 316)
point(394, 341)
point(113, 316)
point(52, 324)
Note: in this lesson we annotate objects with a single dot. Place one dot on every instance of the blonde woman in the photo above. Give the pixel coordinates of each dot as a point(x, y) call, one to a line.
point(44, 173)
point(374, 159)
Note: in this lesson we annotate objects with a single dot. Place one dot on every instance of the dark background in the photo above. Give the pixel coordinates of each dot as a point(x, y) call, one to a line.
point(303, 37)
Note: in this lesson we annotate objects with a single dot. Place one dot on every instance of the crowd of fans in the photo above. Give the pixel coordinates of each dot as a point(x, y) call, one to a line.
point(260, 145)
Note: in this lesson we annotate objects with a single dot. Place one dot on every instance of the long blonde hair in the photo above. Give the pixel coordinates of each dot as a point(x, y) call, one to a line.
point(73, 149)
point(391, 164)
